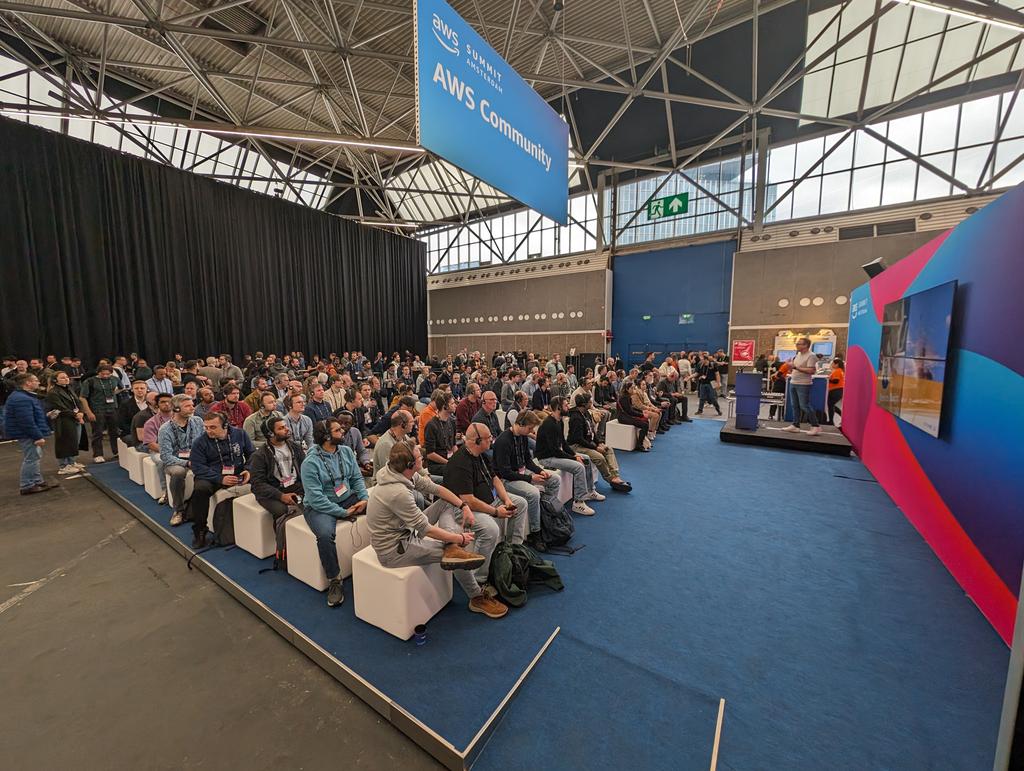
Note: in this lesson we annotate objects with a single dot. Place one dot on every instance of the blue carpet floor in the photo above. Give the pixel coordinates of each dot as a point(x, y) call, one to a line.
point(786, 583)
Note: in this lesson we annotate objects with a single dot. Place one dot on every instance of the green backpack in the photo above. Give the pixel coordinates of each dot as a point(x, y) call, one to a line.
point(515, 567)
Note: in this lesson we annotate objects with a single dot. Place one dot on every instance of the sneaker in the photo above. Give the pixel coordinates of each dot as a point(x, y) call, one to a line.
point(814, 431)
point(335, 593)
point(457, 558)
point(593, 496)
point(98, 459)
point(489, 606)
point(621, 487)
point(64, 471)
point(579, 507)
point(177, 518)
point(34, 489)
point(161, 500)
point(792, 429)
point(79, 466)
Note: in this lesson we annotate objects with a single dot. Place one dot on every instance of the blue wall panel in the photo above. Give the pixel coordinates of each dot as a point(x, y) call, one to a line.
point(665, 283)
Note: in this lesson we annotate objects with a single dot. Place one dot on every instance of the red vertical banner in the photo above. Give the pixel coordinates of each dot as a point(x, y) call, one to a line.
point(742, 353)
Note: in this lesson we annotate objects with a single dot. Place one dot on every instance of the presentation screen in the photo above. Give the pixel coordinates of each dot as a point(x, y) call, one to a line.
point(912, 357)
point(822, 349)
point(473, 110)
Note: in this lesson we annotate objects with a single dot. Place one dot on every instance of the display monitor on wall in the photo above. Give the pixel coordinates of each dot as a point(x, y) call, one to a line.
point(912, 356)
point(787, 355)
point(822, 349)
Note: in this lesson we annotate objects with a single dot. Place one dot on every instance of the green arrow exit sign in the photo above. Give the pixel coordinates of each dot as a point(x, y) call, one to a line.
point(669, 206)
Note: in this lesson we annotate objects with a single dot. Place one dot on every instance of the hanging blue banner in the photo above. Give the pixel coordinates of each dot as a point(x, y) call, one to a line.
point(474, 110)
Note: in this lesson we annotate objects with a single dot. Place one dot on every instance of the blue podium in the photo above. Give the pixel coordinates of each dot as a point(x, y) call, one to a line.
point(748, 399)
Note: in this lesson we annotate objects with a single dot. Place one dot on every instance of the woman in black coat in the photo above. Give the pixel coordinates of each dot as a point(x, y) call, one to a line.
point(630, 415)
point(65, 409)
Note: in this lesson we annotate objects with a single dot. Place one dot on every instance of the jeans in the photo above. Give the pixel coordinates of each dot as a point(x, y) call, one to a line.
point(71, 459)
point(707, 394)
point(160, 471)
point(427, 551)
point(30, 473)
point(802, 405)
point(531, 494)
point(582, 473)
point(324, 528)
point(105, 421)
point(177, 475)
point(513, 529)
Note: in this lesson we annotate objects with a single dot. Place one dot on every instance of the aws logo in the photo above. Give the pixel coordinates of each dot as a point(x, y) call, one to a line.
point(446, 36)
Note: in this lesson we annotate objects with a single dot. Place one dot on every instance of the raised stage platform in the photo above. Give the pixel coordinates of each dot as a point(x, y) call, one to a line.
point(770, 433)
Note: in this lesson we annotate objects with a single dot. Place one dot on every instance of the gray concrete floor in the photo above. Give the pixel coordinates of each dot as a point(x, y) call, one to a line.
point(114, 656)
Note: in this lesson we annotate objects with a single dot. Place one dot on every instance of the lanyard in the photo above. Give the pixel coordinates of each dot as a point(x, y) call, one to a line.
point(220, 453)
point(335, 481)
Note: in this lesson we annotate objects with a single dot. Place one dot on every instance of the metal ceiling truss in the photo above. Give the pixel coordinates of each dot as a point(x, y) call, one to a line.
point(317, 69)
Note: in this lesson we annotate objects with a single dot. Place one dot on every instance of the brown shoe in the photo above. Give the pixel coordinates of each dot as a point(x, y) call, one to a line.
point(457, 558)
point(489, 606)
point(34, 489)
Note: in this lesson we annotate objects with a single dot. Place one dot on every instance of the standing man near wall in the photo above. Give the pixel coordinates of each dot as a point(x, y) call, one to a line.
point(804, 365)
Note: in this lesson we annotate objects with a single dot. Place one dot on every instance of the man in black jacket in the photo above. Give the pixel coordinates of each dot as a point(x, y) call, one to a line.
point(583, 440)
point(275, 480)
point(515, 466)
point(554, 452)
point(486, 413)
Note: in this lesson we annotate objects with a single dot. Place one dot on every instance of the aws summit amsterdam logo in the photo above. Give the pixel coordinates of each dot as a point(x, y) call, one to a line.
point(446, 36)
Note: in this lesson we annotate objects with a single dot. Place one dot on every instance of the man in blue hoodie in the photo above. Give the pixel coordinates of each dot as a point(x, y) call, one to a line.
point(25, 421)
point(333, 486)
point(220, 461)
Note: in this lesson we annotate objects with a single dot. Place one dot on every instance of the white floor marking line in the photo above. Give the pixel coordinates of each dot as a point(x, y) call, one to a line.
point(34, 586)
point(718, 734)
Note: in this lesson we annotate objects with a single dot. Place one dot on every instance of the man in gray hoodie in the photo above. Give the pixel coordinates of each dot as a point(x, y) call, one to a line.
point(402, 535)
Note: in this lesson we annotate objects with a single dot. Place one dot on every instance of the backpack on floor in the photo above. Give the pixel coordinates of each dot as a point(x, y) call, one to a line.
point(515, 567)
point(224, 523)
point(556, 525)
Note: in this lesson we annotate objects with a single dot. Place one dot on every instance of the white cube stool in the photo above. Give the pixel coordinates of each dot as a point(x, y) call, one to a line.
point(500, 415)
point(190, 483)
point(565, 486)
point(254, 527)
point(222, 495)
point(397, 599)
point(620, 436)
point(304, 559)
point(133, 465)
point(151, 477)
point(122, 450)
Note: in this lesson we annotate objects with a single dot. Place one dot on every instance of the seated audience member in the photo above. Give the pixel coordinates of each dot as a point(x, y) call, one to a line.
point(470, 475)
point(561, 386)
point(139, 422)
point(128, 409)
point(554, 366)
point(229, 371)
point(206, 401)
point(426, 416)
point(335, 393)
point(427, 387)
point(232, 406)
point(253, 425)
point(160, 382)
point(583, 440)
point(631, 416)
point(656, 401)
point(407, 403)
point(570, 376)
point(299, 424)
point(211, 372)
point(333, 489)
point(542, 395)
point(520, 402)
point(439, 437)
point(151, 432)
point(280, 389)
point(643, 403)
point(175, 440)
point(509, 388)
point(401, 425)
point(294, 389)
point(220, 461)
point(100, 394)
point(514, 464)
point(402, 535)
point(142, 370)
point(670, 389)
point(487, 412)
point(554, 452)
point(354, 441)
point(458, 387)
point(318, 408)
point(276, 480)
point(467, 408)
point(252, 400)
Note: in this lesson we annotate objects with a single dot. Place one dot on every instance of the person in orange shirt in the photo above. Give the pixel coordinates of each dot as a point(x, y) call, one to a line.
point(836, 382)
point(778, 386)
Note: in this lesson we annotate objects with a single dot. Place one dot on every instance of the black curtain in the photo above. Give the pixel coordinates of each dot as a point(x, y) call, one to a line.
point(104, 253)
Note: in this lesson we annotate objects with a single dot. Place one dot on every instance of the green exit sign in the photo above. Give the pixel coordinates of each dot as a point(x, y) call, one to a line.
point(669, 206)
point(647, 317)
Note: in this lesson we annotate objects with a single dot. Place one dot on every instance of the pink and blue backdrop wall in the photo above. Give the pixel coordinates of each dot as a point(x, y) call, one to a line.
point(963, 491)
